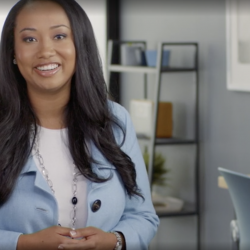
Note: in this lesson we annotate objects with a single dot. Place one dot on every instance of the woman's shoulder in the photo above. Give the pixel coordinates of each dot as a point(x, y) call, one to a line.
point(124, 120)
point(118, 111)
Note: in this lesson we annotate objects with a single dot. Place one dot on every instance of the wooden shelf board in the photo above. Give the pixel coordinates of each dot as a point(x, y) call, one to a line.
point(186, 211)
point(169, 69)
point(166, 141)
point(146, 69)
point(135, 69)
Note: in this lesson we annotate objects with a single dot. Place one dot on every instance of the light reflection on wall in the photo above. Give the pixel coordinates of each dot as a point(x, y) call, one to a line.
point(243, 23)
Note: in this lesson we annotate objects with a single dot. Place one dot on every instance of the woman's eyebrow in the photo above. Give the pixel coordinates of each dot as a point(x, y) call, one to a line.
point(52, 27)
point(58, 26)
point(30, 29)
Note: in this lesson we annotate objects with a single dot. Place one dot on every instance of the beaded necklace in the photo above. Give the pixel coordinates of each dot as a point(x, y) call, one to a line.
point(45, 173)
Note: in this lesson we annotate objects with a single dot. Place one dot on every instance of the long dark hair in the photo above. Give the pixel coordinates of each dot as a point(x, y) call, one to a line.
point(87, 115)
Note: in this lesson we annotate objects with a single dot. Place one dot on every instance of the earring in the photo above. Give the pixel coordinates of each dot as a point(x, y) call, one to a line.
point(14, 61)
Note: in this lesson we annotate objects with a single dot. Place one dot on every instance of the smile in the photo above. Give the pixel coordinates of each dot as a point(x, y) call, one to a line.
point(47, 70)
point(48, 67)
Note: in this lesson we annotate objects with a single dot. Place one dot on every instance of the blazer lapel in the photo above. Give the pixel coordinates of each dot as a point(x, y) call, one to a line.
point(40, 182)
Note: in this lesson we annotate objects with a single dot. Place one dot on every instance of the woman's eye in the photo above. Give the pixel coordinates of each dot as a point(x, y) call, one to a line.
point(29, 39)
point(60, 37)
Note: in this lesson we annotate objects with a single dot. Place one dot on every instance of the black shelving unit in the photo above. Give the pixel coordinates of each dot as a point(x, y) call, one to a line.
point(188, 210)
point(114, 66)
point(168, 141)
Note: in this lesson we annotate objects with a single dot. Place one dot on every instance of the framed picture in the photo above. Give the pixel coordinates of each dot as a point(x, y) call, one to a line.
point(238, 44)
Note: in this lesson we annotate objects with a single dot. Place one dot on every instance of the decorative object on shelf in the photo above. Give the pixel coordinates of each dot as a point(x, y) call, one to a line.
point(166, 204)
point(164, 127)
point(161, 203)
point(141, 112)
point(132, 55)
point(151, 58)
point(159, 173)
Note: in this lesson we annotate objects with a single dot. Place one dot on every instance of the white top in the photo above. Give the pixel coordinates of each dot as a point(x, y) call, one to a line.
point(53, 147)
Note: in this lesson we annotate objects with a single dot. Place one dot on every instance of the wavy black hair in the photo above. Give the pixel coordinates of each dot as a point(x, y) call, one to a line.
point(87, 115)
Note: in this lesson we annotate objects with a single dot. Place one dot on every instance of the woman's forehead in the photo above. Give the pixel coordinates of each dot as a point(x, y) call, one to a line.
point(42, 13)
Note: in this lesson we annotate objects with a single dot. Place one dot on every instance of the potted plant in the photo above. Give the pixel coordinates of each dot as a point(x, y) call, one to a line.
point(161, 203)
point(159, 170)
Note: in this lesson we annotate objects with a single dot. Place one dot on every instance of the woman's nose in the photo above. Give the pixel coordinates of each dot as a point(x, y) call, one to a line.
point(46, 49)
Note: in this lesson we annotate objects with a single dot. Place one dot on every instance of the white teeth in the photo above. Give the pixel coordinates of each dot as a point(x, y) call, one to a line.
point(48, 67)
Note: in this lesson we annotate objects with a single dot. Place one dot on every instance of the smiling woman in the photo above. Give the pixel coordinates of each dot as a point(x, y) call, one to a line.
point(44, 50)
point(72, 175)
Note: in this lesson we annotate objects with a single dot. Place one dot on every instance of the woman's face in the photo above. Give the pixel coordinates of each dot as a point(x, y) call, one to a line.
point(44, 47)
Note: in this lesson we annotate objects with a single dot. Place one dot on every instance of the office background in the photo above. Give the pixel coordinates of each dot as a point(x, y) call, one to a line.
point(224, 115)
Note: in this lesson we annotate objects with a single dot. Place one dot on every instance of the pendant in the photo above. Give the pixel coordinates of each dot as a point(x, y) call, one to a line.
point(74, 200)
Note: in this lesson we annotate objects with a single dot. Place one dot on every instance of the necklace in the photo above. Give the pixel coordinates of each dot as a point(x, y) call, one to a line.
point(50, 183)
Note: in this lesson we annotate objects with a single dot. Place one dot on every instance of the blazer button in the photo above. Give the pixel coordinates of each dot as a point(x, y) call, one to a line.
point(96, 206)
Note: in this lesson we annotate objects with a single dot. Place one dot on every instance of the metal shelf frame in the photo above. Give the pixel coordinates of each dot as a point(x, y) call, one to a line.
point(153, 141)
point(188, 210)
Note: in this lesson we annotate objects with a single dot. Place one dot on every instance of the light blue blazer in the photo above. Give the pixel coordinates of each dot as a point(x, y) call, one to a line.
point(32, 206)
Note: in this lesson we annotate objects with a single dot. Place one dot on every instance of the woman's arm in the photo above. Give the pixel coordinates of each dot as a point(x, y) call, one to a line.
point(139, 221)
point(8, 240)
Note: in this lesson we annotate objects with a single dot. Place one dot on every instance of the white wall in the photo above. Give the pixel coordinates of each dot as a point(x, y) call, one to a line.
point(5, 7)
point(96, 11)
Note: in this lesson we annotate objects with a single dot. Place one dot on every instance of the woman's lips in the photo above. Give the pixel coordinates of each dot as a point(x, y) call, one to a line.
point(47, 73)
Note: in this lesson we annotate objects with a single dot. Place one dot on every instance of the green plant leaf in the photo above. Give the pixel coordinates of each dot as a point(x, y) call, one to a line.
point(159, 169)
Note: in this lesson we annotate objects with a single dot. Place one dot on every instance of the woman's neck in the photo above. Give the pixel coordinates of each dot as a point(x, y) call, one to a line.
point(49, 109)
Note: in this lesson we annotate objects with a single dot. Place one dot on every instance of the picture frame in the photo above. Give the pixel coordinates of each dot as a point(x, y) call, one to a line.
point(238, 45)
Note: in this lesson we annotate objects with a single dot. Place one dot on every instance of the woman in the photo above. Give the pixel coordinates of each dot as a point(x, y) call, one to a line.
point(71, 172)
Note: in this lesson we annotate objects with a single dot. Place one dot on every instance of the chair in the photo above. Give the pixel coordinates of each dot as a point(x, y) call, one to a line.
point(239, 190)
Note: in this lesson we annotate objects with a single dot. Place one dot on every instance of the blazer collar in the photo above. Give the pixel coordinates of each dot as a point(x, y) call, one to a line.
point(41, 183)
